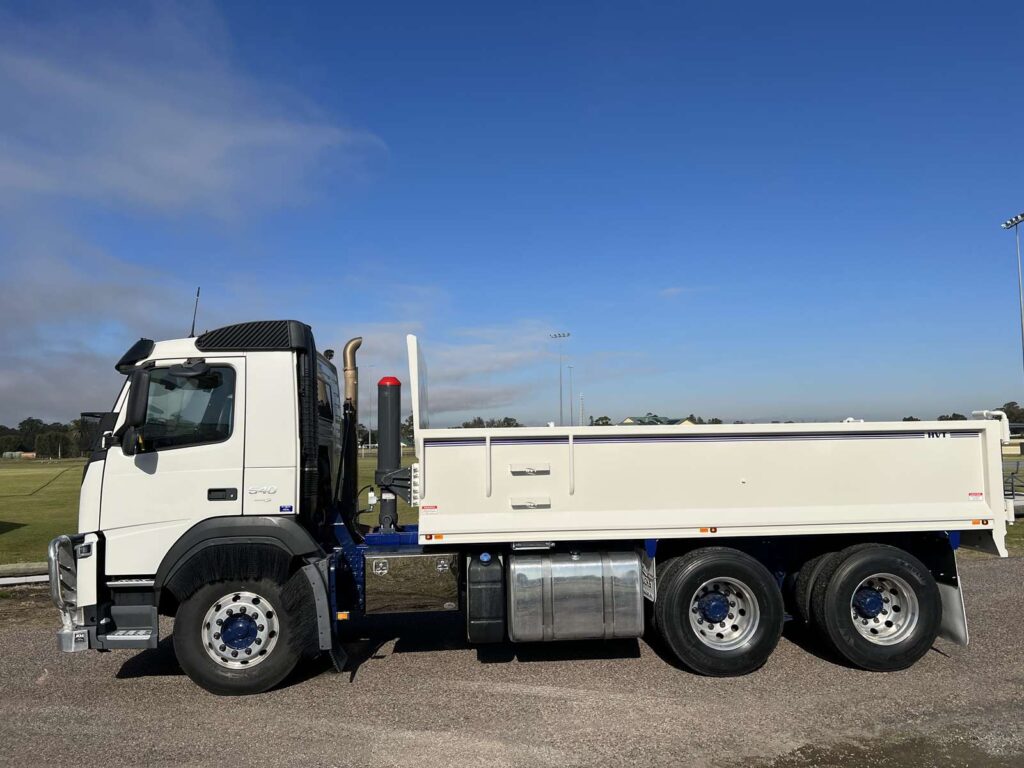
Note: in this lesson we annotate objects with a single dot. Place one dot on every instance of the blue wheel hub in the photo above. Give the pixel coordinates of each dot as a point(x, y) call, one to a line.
point(867, 602)
point(713, 607)
point(239, 631)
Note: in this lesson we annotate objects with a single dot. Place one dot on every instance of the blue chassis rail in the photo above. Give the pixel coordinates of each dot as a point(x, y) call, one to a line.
point(350, 556)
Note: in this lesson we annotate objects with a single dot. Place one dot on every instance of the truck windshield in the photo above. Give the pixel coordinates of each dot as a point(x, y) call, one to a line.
point(193, 410)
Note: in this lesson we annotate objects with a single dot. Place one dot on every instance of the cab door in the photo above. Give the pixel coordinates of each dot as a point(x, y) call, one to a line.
point(188, 468)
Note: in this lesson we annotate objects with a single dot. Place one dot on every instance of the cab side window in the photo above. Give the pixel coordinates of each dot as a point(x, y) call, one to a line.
point(324, 400)
point(189, 410)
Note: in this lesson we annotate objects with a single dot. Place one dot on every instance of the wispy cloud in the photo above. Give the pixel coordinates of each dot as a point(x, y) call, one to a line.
point(144, 109)
point(472, 371)
point(672, 291)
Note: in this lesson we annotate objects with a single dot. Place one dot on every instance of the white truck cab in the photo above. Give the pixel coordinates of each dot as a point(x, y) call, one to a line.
point(223, 492)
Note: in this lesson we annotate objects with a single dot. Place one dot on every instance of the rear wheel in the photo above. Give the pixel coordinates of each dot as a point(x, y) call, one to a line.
point(234, 637)
point(719, 610)
point(878, 606)
point(803, 586)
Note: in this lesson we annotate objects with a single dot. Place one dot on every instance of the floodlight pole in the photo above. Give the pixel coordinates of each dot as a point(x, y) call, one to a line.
point(1014, 224)
point(570, 395)
point(559, 338)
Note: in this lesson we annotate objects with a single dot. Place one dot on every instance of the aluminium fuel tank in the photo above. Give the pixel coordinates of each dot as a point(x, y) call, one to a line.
point(574, 596)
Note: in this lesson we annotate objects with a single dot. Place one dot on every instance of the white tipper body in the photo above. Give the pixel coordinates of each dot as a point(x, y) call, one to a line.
point(145, 502)
point(629, 482)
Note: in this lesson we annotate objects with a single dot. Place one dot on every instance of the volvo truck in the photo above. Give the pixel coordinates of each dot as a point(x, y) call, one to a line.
point(223, 491)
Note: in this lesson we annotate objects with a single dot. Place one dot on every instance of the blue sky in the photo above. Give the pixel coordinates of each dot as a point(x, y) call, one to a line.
point(744, 210)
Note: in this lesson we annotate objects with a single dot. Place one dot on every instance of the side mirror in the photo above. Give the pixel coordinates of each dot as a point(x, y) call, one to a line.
point(138, 399)
point(130, 441)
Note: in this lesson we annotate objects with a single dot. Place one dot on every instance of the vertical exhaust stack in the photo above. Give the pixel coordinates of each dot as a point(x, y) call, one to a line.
point(351, 372)
point(389, 450)
point(348, 488)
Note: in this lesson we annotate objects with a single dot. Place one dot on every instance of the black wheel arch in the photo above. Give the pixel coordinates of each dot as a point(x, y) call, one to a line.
point(238, 546)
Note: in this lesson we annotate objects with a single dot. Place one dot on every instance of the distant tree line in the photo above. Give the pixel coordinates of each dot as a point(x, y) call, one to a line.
point(49, 440)
point(46, 440)
point(478, 422)
point(1014, 414)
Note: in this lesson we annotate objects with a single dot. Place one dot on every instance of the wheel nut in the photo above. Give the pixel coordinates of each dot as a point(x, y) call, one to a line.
point(260, 627)
point(216, 635)
point(234, 653)
point(258, 641)
point(222, 648)
point(220, 622)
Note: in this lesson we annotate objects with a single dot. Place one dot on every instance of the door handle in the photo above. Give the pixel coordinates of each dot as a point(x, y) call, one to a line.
point(222, 494)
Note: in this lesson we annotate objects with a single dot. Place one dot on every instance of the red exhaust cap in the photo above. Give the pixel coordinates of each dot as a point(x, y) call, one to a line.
point(389, 381)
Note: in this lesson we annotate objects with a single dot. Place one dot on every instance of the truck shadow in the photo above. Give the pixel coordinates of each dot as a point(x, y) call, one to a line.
point(161, 662)
point(153, 662)
point(6, 527)
point(425, 633)
point(367, 639)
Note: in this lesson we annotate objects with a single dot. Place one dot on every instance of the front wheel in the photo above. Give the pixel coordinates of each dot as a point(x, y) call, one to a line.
point(719, 610)
point(234, 637)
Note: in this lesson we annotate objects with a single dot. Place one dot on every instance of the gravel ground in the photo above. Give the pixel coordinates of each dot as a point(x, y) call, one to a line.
point(419, 696)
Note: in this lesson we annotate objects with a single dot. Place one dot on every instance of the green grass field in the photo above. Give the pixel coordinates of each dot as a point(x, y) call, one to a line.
point(39, 499)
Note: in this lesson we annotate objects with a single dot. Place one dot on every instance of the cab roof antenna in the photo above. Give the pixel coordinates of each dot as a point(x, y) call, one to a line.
point(192, 332)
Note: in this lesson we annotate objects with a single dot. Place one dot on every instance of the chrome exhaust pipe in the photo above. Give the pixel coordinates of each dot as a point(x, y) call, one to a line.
point(351, 372)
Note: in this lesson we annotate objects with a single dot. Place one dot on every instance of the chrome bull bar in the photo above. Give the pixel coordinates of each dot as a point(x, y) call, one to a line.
point(60, 558)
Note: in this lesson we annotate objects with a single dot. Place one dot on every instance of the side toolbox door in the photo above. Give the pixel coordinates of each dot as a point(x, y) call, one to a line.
point(189, 467)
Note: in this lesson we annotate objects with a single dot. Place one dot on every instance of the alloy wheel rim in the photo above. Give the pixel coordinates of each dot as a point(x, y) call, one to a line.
point(240, 630)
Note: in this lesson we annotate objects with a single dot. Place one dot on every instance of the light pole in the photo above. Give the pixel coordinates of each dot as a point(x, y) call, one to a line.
point(369, 402)
point(1013, 224)
point(559, 338)
point(570, 394)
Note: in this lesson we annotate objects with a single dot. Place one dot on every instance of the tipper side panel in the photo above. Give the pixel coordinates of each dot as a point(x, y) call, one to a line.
point(604, 483)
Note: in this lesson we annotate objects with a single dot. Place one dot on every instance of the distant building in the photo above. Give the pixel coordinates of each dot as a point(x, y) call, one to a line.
point(651, 419)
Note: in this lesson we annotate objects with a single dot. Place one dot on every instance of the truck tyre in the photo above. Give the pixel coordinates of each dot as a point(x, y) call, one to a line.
point(719, 610)
point(877, 606)
point(234, 637)
point(806, 578)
